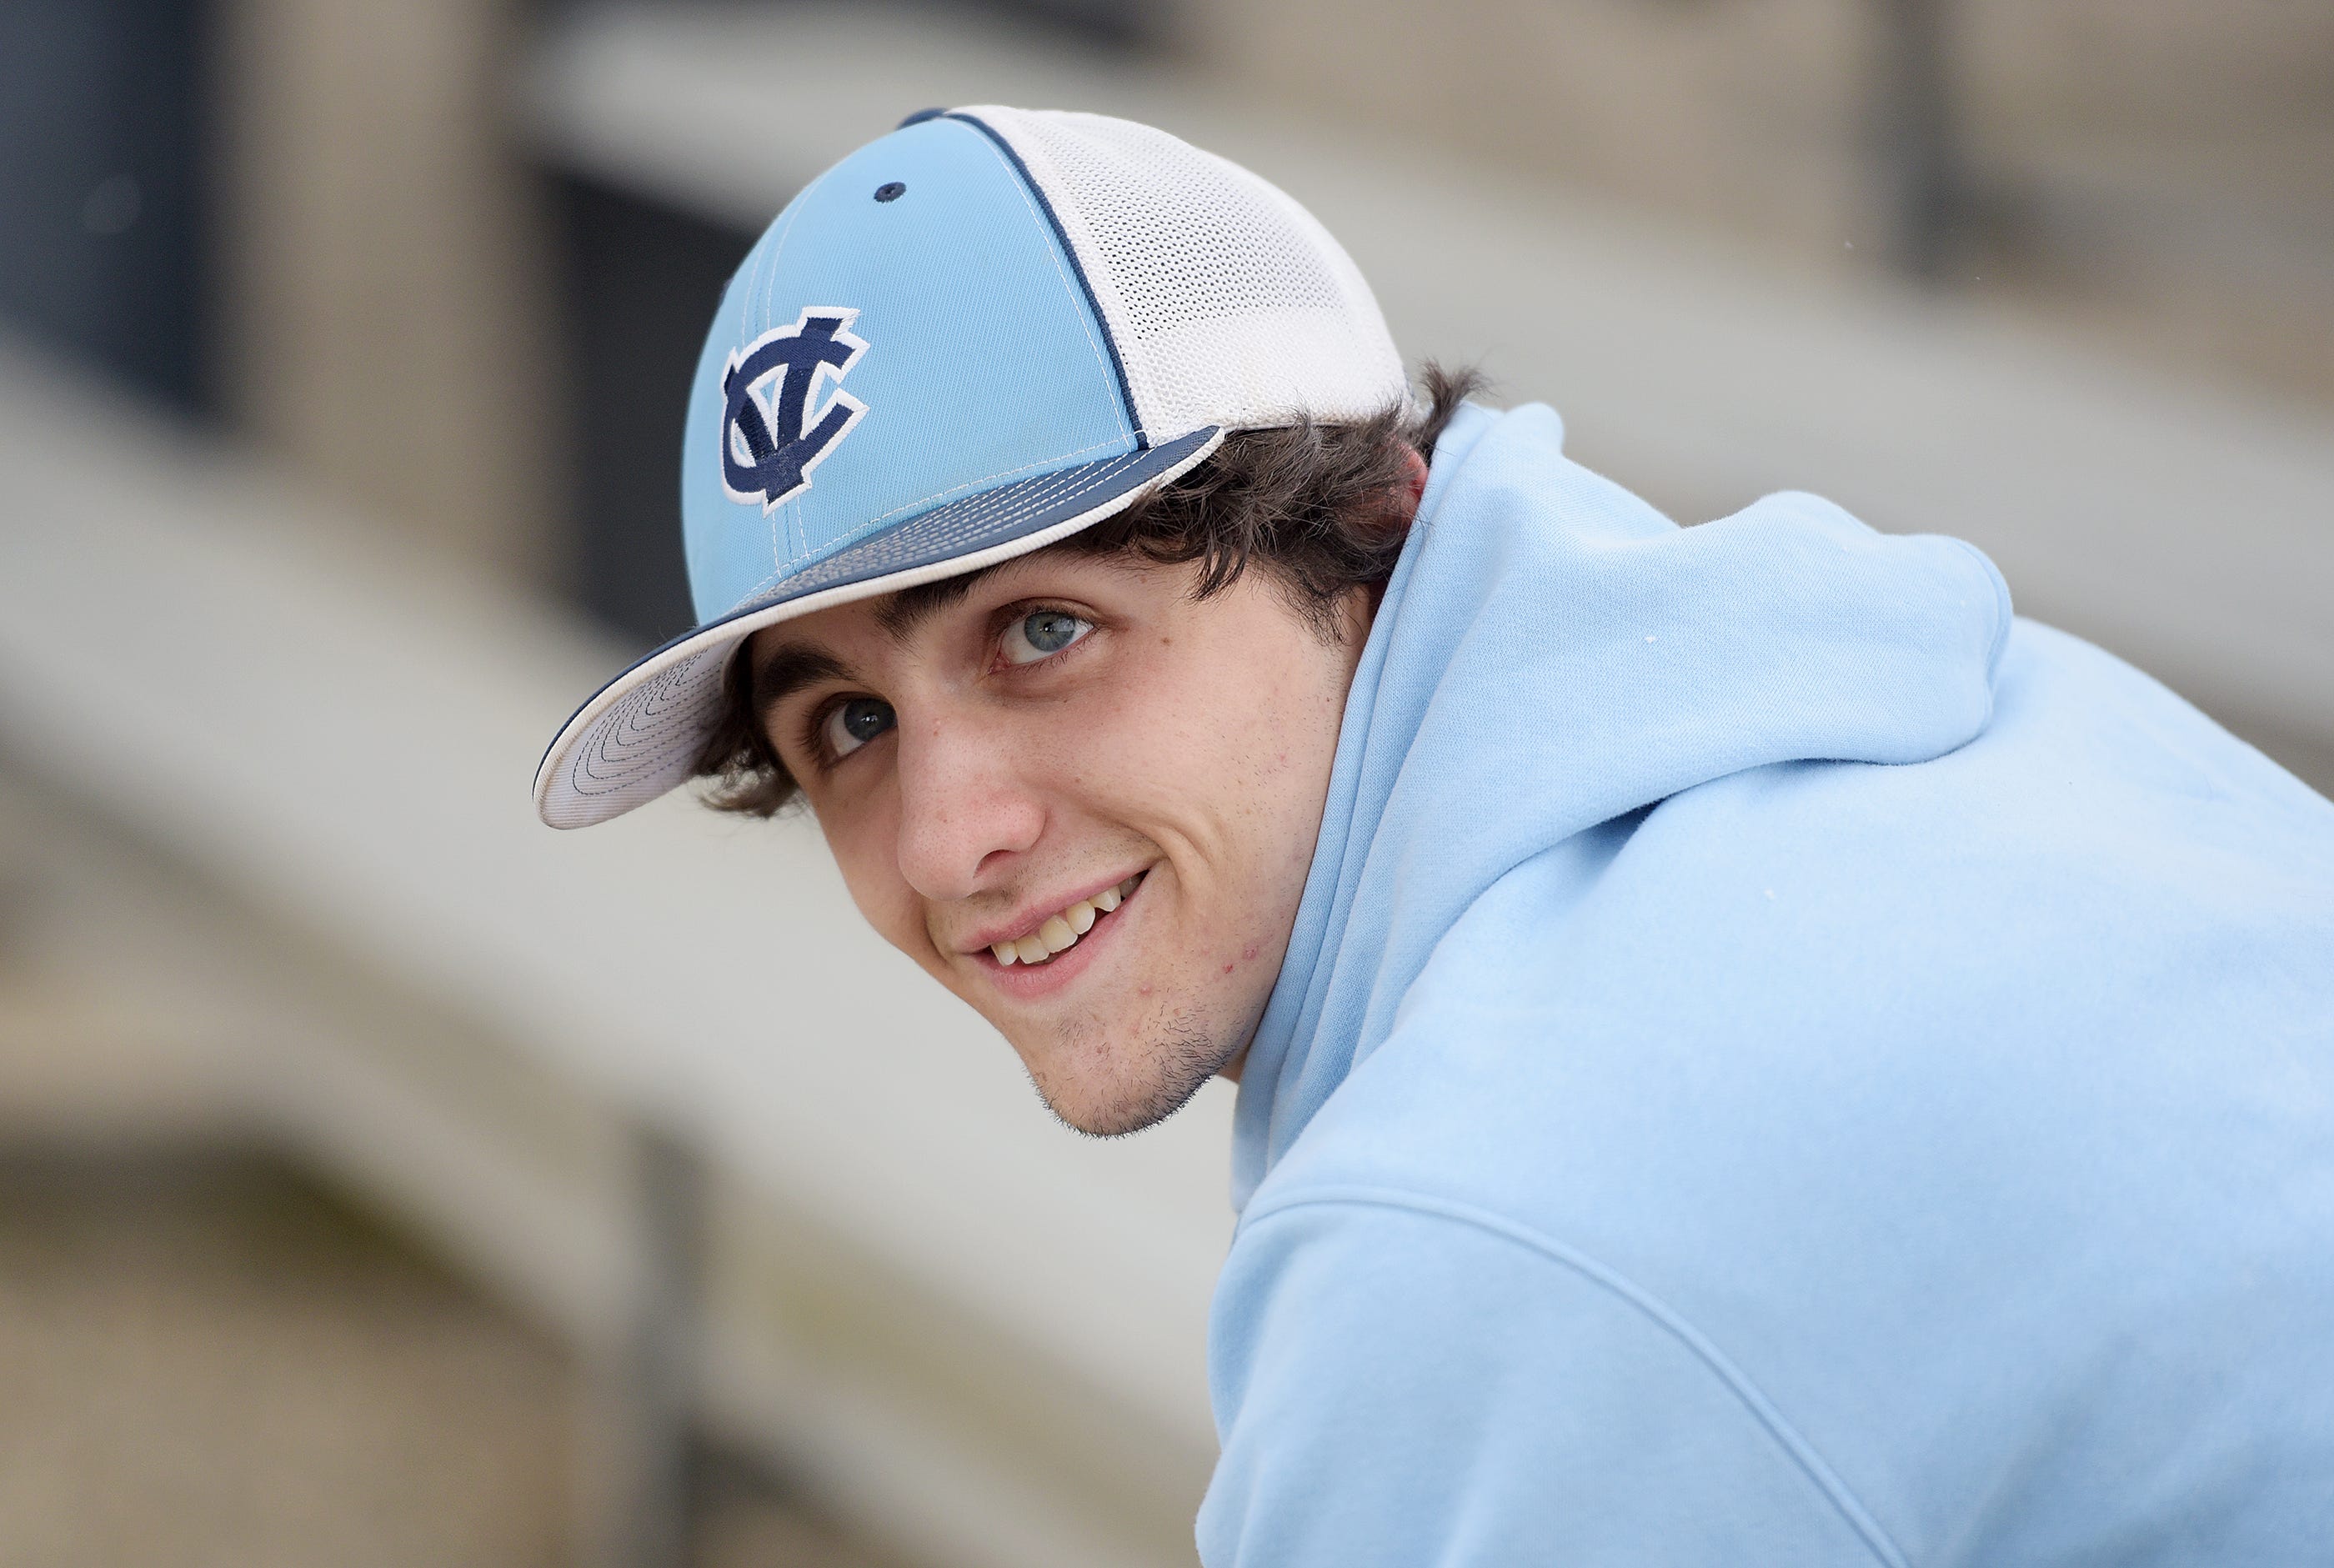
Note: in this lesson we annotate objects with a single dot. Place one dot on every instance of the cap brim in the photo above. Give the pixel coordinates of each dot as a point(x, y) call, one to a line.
point(643, 733)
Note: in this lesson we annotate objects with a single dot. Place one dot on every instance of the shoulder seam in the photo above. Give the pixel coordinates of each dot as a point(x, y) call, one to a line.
point(1826, 1480)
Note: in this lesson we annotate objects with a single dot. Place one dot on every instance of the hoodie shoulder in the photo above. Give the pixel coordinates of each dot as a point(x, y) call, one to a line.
point(1968, 1107)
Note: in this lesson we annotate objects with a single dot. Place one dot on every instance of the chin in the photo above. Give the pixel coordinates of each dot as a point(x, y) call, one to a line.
point(1109, 1092)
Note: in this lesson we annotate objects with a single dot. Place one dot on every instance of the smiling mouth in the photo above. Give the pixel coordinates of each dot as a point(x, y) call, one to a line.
point(1060, 931)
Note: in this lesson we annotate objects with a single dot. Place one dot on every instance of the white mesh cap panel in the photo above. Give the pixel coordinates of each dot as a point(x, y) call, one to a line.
point(1229, 304)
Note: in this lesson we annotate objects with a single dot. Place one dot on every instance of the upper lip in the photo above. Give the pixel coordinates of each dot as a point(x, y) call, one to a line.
point(1032, 915)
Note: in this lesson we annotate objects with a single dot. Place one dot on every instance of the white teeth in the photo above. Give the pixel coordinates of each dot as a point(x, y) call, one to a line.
point(1061, 932)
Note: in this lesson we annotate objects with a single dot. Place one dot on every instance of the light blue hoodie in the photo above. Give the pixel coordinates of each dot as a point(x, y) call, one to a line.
point(1777, 1064)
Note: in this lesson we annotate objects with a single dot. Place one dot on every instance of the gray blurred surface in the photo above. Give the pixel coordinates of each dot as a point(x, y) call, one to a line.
point(203, 1363)
point(207, 1363)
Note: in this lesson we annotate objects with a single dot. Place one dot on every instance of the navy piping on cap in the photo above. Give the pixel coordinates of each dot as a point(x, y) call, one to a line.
point(1110, 339)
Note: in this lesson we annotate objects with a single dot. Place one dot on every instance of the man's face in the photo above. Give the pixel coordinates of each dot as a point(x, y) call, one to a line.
point(1083, 800)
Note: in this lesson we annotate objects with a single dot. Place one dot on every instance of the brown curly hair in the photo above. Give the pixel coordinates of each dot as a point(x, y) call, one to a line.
point(1316, 507)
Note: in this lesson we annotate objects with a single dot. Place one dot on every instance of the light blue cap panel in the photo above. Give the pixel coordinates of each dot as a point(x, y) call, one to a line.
point(983, 362)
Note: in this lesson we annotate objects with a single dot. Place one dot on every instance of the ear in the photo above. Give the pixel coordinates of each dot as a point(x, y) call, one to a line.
point(1416, 476)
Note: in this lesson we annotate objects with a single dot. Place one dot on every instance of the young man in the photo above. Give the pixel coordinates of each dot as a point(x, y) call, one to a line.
point(1747, 1055)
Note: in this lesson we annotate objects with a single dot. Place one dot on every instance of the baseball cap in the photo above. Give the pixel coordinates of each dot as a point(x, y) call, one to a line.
point(968, 340)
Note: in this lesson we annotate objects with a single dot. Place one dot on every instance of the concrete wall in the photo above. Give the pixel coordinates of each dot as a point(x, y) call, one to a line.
point(388, 323)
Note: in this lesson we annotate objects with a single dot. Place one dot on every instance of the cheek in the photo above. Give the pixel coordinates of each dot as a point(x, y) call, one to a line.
point(1286, 744)
point(864, 841)
point(1229, 753)
point(1271, 722)
point(1185, 721)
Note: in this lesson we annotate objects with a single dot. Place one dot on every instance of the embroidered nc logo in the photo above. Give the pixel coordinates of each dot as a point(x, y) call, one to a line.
point(770, 439)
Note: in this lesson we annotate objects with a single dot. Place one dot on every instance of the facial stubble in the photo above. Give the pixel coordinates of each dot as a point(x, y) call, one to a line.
point(1172, 1056)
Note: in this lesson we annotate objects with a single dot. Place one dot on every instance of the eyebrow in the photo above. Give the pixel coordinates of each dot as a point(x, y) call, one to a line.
point(794, 666)
point(901, 613)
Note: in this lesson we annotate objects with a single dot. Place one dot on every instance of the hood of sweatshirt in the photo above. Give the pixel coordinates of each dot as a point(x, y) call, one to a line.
point(1552, 654)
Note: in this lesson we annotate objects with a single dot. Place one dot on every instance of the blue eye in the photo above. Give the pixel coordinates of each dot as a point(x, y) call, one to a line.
point(853, 723)
point(1042, 632)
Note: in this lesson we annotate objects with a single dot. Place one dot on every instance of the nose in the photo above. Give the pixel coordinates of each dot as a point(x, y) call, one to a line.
point(967, 812)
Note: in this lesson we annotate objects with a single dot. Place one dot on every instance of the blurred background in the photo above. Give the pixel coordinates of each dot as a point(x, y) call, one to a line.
point(386, 1179)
